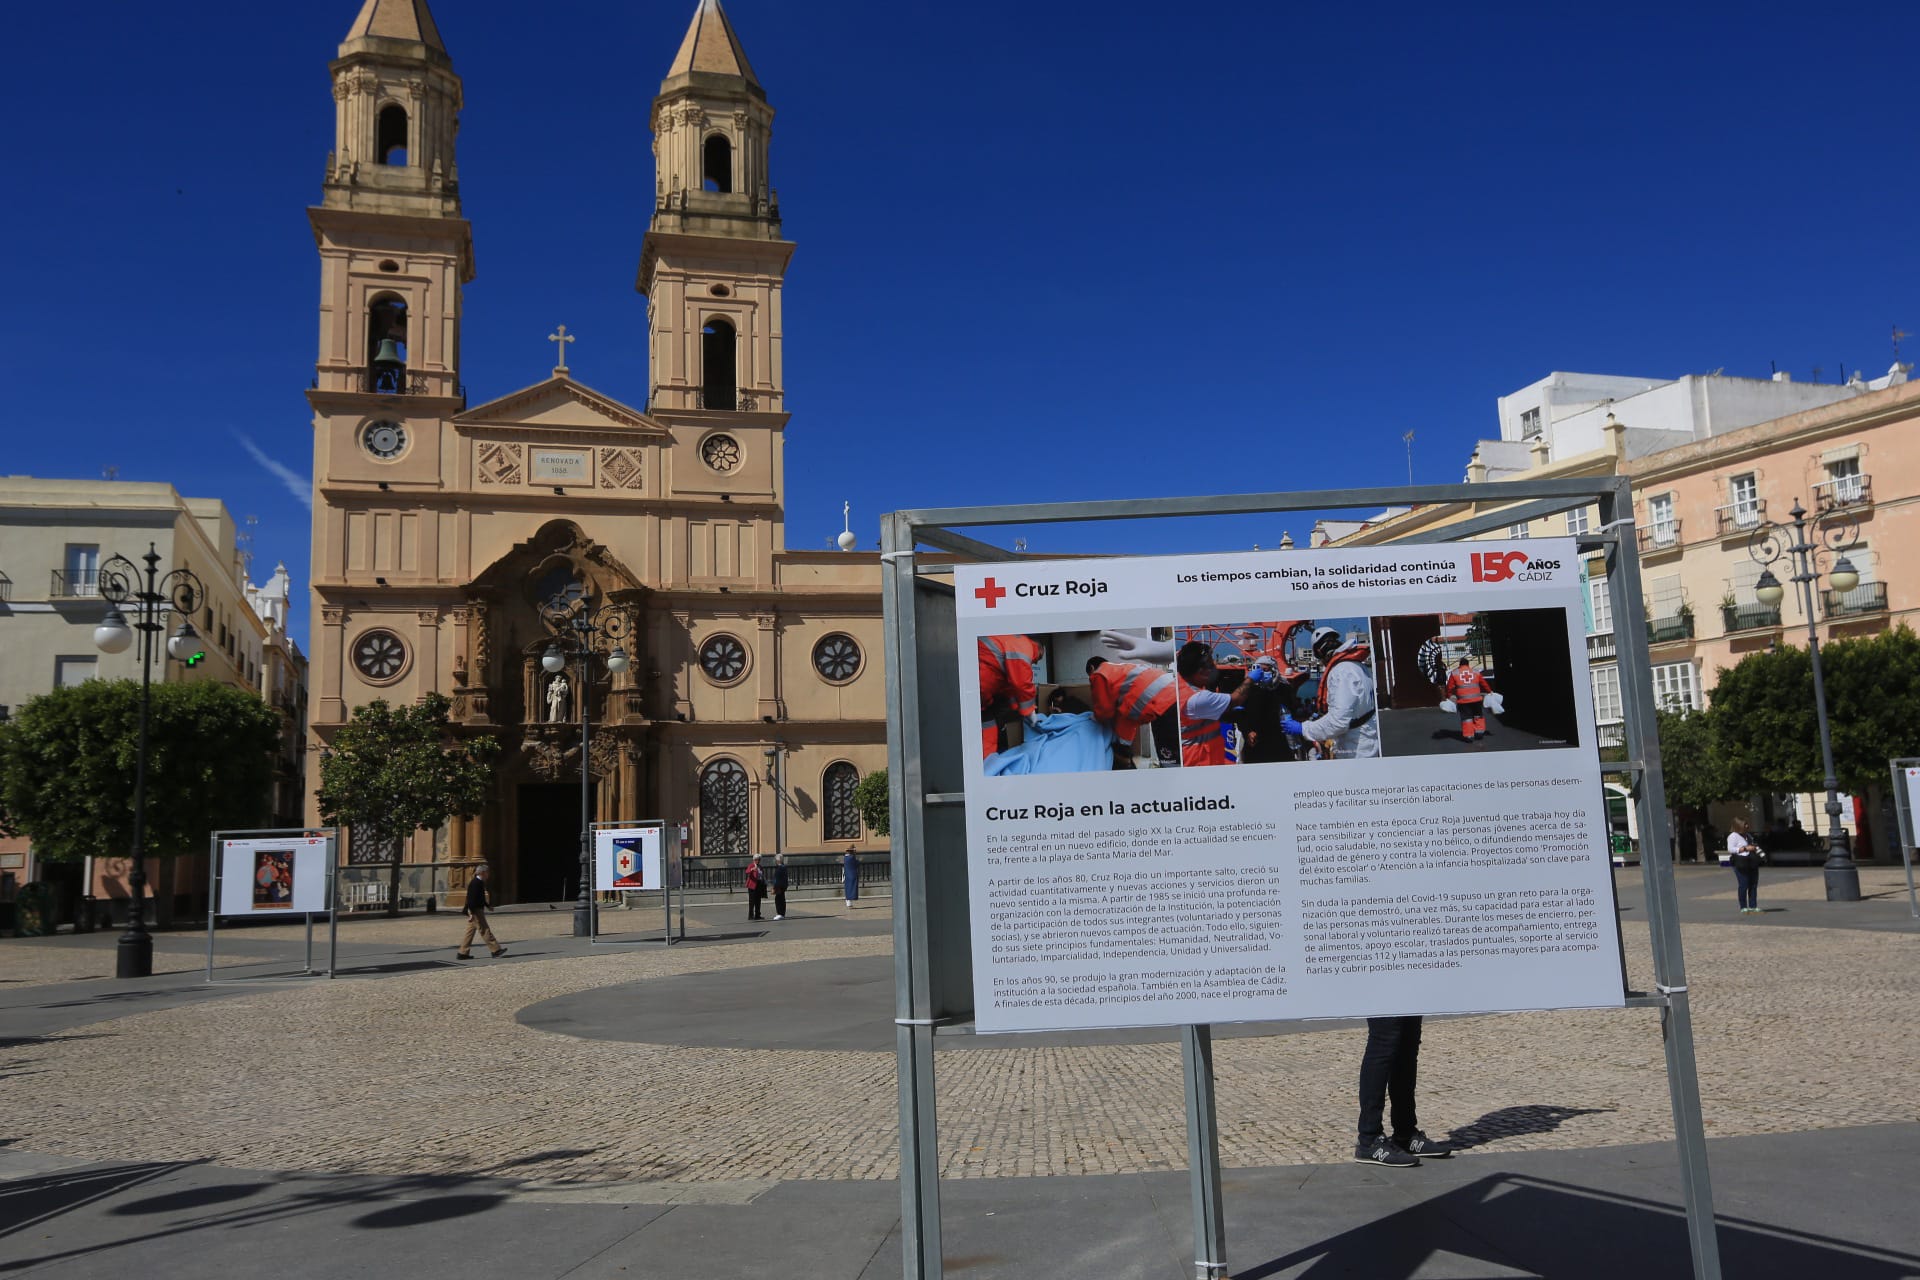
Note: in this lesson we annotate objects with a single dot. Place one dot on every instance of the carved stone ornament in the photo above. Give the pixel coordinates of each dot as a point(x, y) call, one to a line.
point(549, 761)
point(500, 462)
point(481, 642)
point(722, 453)
point(621, 468)
point(604, 755)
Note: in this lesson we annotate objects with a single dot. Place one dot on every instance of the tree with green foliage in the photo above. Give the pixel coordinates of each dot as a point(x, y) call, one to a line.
point(1694, 769)
point(1768, 732)
point(67, 762)
point(394, 770)
point(875, 802)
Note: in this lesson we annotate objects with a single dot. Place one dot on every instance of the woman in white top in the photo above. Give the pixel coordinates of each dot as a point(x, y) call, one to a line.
point(1745, 856)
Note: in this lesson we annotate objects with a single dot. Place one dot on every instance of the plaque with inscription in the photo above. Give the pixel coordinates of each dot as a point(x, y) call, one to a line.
point(560, 466)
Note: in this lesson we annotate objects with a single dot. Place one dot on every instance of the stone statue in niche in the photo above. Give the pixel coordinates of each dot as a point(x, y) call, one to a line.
point(557, 691)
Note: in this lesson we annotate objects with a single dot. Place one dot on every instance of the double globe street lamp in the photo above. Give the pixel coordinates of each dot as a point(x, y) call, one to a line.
point(1833, 534)
point(121, 585)
point(584, 631)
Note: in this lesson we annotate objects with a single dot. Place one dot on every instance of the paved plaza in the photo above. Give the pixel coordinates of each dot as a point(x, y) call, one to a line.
point(626, 1107)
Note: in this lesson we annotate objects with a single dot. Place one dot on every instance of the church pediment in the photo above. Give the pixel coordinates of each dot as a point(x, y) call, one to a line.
point(562, 405)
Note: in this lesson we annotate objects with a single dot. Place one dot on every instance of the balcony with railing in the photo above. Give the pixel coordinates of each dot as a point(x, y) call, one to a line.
point(1666, 630)
point(1660, 537)
point(1868, 597)
point(1601, 646)
point(6, 587)
point(1843, 493)
point(1749, 617)
point(1738, 517)
point(74, 584)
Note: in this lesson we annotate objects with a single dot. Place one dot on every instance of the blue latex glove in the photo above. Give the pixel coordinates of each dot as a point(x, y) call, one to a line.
point(1260, 675)
point(1291, 725)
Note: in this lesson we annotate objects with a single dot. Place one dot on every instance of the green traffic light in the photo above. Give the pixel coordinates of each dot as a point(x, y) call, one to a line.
point(195, 658)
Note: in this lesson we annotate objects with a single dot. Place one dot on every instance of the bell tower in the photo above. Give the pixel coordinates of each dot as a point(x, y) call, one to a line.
point(713, 261)
point(394, 249)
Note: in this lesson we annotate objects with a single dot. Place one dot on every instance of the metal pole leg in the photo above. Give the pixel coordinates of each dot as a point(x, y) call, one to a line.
point(919, 1154)
point(1203, 1154)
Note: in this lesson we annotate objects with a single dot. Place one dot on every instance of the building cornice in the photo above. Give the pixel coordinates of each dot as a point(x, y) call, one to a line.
point(1863, 413)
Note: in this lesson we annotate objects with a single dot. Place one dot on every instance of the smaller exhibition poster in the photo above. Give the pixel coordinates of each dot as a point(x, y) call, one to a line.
point(273, 876)
point(1294, 784)
point(626, 858)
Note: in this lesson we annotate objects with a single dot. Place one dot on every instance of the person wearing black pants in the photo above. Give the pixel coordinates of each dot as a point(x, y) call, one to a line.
point(779, 886)
point(1390, 1068)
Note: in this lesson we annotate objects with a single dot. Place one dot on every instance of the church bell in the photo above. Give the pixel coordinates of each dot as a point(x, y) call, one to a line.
point(388, 356)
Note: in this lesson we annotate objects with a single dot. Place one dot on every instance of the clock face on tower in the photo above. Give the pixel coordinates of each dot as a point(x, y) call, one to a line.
point(384, 440)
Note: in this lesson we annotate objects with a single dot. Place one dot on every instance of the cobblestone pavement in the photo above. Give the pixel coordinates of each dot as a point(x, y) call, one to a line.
point(428, 1072)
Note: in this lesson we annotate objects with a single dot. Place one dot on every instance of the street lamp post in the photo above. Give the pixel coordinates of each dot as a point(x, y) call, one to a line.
point(121, 585)
point(585, 630)
point(1834, 534)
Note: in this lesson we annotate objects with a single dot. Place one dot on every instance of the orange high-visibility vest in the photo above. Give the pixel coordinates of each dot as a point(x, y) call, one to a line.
point(1006, 666)
point(1200, 740)
point(1467, 685)
point(1129, 694)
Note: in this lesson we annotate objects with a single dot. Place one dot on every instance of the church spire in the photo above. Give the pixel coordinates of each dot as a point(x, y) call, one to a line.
point(711, 48)
point(397, 20)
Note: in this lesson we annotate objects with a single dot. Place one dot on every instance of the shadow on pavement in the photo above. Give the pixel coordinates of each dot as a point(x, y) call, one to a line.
point(1545, 1228)
point(1512, 1122)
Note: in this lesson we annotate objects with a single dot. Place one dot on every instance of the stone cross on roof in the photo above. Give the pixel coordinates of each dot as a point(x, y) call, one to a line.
point(560, 341)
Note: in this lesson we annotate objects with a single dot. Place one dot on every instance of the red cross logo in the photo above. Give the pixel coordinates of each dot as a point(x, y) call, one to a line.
point(991, 592)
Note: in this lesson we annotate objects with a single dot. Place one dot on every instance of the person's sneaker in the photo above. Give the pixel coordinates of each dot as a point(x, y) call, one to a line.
point(779, 917)
point(461, 955)
point(502, 951)
point(1384, 1150)
point(1419, 1144)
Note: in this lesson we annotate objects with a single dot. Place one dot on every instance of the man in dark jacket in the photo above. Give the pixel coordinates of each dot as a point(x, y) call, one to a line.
point(779, 886)
point(477, 905)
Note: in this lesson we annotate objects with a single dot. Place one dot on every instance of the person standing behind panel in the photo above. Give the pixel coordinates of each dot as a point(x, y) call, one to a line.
point(1006, 680)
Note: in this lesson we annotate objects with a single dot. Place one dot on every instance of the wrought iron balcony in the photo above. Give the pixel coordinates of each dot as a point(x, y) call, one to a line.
point(74, 584)
point(6, 587)
point(1749, 617)
point(1847, 493)
point(1868, 597)
point(1738, 517)
point(394, 382)
point(1601, 646)
point(1660, 537)
point(1662, 630)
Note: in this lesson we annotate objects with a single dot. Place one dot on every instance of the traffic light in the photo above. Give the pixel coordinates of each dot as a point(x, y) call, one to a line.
point(195, 658)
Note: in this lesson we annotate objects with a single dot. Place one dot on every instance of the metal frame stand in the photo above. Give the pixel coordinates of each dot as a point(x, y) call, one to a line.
point(669, 863)
point(1904, 811)
point(923, 984)
point(332, 836)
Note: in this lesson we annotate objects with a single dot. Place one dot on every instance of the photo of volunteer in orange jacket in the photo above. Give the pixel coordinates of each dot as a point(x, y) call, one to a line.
point(1495, 680)
point(1274, 692)
point(1078, 701)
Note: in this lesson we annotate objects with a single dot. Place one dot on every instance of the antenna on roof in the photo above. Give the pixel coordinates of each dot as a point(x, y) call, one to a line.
point(245, 539)
point(1409, 439)
point(113, 473)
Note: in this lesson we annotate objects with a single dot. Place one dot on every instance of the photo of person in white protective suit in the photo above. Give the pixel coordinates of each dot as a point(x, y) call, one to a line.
point(1344, 707)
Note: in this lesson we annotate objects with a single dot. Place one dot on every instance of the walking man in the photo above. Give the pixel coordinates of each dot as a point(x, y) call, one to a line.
point(477, 904)
point(1469, 690)
point(779, 886)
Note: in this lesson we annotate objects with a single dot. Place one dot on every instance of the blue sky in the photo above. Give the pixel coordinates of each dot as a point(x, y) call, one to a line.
point(1046, 251)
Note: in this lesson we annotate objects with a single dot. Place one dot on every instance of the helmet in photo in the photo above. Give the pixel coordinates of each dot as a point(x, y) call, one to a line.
point(1326, 642)
point(1267, 662)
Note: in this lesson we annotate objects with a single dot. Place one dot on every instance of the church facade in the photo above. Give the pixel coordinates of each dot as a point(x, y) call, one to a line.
point(452, 542)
